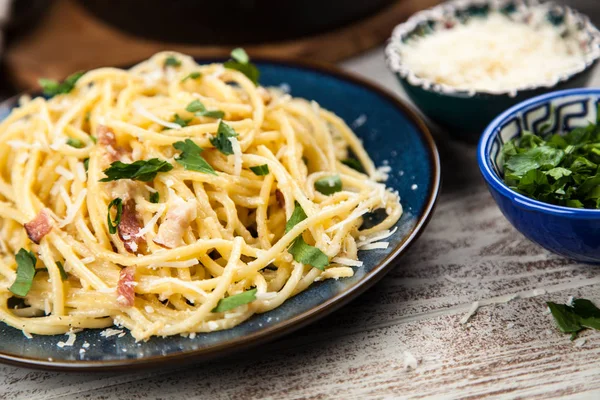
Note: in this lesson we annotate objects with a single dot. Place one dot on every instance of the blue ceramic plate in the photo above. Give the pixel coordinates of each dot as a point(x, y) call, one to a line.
point(391, 133)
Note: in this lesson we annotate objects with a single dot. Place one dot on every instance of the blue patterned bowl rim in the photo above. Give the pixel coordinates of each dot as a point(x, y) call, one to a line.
point(441, 12)
point(484, 150)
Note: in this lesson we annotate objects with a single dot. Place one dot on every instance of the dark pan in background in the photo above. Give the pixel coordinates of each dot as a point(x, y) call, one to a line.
point(230, 22)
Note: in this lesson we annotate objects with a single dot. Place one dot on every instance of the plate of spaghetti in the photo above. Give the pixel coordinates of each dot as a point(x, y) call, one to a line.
point(183, 209)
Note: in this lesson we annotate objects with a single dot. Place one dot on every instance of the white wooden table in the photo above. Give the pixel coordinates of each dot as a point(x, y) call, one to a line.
point(468, 253)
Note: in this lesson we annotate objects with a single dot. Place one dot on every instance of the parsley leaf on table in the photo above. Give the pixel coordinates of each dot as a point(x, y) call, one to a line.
point(576, 317)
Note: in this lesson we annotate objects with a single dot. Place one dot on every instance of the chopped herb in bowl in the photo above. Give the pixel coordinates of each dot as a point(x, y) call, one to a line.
point(558, 169)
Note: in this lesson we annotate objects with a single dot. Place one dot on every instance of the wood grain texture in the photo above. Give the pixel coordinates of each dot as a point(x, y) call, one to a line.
point(70, 39)
point(468, 253)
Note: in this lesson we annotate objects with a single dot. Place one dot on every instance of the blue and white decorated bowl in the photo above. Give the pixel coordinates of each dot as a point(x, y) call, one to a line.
point(570, 232)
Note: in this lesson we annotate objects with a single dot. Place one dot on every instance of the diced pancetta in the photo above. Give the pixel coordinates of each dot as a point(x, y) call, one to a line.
point(105, 136)
point(39, 227)
point(280, 198)
point(181, 213)
point(126, 287)
point(129, 227)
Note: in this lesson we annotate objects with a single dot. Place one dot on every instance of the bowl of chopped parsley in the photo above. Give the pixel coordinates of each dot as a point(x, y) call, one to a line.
point(541, 162)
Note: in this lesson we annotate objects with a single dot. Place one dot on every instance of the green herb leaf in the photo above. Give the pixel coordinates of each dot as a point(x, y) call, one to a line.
point(192, 75)
point(308, 255)
point(142, 170)
point(231, 302)
point(566, 320)
point(190, 157)
point(63, 274)
point(329, 185)
point(154, 197)
point(113, 224)
point(180, 121)
point(535, 158)
point(52, 87)
point(260, 170)
point(194, 106)
point(26, 261)
point(354, 164)
point(572, 319)
point(558, 172)
point(221, 140)
point(299, 249)
point(78, 144)
point(298, 215)
point(199, 110)
point(172, 62)
point(554, 168)
point(86, 164)
point(241, 62)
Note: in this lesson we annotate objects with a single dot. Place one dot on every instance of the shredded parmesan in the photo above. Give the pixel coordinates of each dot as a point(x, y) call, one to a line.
point(150, 225)
point(237, 156)
point(108, 332)
point(494, 53)
point(60, 170)
point(347, 261)
point(354, 215)
point(376, 237)
point(213, 326)
point(19, 144)
point(80, 169)
point(72, 209)
point(141, 110)
point(375, 246)
point(410, 362)
point(69, 342)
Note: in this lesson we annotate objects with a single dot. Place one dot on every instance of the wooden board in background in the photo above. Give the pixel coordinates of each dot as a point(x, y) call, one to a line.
point(70, 39)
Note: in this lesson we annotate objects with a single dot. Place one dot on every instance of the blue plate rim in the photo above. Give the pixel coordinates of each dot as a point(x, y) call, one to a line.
point(299, 321)
point(485, 145)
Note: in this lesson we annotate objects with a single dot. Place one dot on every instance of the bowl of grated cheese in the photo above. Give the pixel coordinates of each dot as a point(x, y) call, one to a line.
point(465, 61)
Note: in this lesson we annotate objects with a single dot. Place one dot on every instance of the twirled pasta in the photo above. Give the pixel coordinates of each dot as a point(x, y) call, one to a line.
point(220, 235)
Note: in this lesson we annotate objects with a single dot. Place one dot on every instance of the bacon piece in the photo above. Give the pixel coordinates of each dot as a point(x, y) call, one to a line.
point(177, 221)
point(106, 136)
point(126, 287)
point(129, 227)
point(39, 227)
point(280, 198)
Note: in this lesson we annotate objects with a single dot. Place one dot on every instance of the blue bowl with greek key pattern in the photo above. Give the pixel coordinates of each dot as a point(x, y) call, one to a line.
point(570, 232)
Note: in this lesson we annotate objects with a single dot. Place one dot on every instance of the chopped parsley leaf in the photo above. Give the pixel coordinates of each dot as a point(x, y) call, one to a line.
point(113, 224)
point(190, 157)
point(141, 170)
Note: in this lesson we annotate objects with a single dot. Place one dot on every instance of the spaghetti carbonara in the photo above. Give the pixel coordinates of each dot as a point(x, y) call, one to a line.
point(175, 198)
